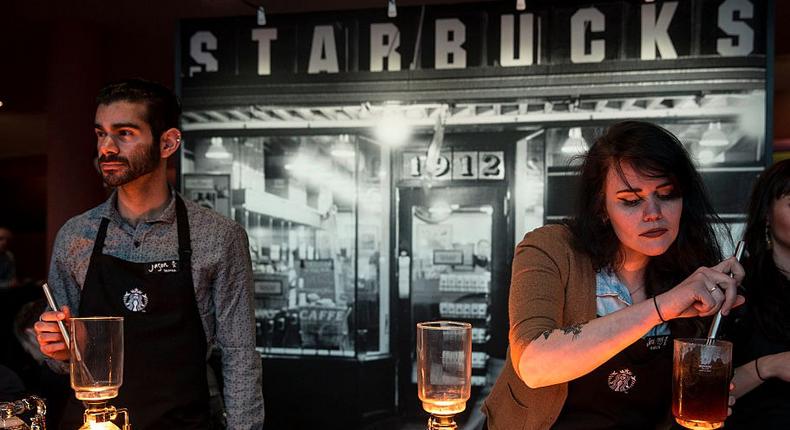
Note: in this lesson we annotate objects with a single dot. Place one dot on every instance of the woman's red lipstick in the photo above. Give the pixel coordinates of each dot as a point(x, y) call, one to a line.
point(656, 232)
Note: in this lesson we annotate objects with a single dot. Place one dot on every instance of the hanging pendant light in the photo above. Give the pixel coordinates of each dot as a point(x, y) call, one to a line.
point(217, 151)
point(343, 148)
point(260, 16)
point(575, 143)
point(392, 9)
point(713, 136)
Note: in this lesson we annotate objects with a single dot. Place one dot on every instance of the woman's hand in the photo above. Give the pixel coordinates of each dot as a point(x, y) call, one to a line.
point(731, 399)
point(703, 293)
point(48, 335)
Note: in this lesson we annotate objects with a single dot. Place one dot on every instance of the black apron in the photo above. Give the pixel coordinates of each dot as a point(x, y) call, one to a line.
point(164, 382)
point(632, 390)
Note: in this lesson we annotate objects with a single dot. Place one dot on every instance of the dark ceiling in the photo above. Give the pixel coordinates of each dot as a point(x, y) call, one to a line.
point(138, 31)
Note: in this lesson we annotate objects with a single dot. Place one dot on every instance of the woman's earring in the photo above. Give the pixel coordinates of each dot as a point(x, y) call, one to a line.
point(769, 244)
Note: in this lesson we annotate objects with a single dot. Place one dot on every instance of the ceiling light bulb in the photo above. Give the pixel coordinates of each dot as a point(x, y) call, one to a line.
point(713, 136)
point(440, 209)
point(260, 16)
point(392, 9)
point(217, 151)
point(392, 129)
point(342, 152)
point(575, 143)
point(706, 156)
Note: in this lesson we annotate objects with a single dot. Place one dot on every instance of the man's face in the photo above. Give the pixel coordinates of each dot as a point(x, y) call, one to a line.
point(127, 149)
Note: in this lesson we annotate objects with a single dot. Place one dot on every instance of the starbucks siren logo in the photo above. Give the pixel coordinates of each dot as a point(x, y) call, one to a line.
point(135, 300)
point(621, 380)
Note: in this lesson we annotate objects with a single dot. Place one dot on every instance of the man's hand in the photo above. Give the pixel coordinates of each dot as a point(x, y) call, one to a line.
point(776, 366)
point(50, 340)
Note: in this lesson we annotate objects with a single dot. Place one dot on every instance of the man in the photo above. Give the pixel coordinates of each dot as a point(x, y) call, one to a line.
point(7, 262)
point(179, 274)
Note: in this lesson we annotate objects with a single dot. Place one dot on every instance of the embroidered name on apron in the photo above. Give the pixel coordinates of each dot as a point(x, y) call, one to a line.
point(163, 267)
point(654, 343)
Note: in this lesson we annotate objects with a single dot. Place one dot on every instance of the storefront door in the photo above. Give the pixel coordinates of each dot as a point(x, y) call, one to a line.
point(454, 261)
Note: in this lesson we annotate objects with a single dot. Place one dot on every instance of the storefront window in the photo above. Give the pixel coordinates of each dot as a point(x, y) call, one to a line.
point(315, 210)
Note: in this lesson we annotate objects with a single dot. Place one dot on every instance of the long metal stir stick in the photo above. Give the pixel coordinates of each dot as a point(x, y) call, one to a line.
point(714, 327)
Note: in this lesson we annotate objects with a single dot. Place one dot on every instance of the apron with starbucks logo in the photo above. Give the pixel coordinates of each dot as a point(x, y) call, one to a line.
point(164, 380)
point(632, 390)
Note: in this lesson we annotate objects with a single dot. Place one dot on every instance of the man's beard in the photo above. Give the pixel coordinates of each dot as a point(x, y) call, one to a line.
point(142, 165)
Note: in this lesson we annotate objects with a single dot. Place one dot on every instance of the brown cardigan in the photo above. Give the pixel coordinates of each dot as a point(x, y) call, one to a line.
point(552, 286)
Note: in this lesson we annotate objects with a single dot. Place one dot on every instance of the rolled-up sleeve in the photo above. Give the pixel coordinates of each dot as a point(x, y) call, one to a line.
point(235, 334)
point(61, 281)
point(537, 287)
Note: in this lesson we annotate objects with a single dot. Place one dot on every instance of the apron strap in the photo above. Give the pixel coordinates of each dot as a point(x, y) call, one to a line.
point(184, 240)
point(98, 244)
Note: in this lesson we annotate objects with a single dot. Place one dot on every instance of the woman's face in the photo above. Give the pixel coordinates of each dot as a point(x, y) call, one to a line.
point(644, 212)
point(780, 222)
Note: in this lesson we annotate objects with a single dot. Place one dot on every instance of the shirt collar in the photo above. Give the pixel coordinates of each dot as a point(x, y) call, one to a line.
point(608, 284)
point(109, 209)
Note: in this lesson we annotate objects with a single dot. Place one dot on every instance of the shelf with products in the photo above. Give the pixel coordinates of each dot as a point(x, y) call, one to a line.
point(474, 311)
point(475, 282)
point(307, 306)
point(465, 303)
point(455, 292)
point(479, 360)
point(480, 335)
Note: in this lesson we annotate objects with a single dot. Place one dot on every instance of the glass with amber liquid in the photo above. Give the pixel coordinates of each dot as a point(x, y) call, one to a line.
point(444, 370)
point(701, 373)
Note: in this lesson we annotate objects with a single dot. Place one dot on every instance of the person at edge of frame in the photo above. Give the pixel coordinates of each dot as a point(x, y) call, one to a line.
point(760, 330)
point(7, 262)
point(596, 301)
point(179, 274)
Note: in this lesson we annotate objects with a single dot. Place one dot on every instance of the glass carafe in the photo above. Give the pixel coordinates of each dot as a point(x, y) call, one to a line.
point(96, 357)
point(444, 370)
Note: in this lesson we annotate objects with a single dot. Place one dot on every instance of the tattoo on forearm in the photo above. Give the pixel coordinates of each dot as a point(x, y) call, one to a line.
point(575, 329)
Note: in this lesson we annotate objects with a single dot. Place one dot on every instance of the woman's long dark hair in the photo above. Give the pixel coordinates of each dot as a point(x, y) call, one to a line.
point(766, 297)
point(654, 152)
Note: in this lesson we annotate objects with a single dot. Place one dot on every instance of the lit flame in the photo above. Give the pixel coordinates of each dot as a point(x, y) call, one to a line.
point(91, 424)
point(102, 426)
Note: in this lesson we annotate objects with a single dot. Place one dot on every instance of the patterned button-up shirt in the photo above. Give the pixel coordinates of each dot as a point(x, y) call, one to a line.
point(221, 273)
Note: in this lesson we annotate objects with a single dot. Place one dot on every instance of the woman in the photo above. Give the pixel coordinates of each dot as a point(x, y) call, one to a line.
point(762, 330)
point(594, 303)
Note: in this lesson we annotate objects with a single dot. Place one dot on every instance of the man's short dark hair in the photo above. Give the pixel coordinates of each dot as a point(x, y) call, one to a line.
point(163, 108)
